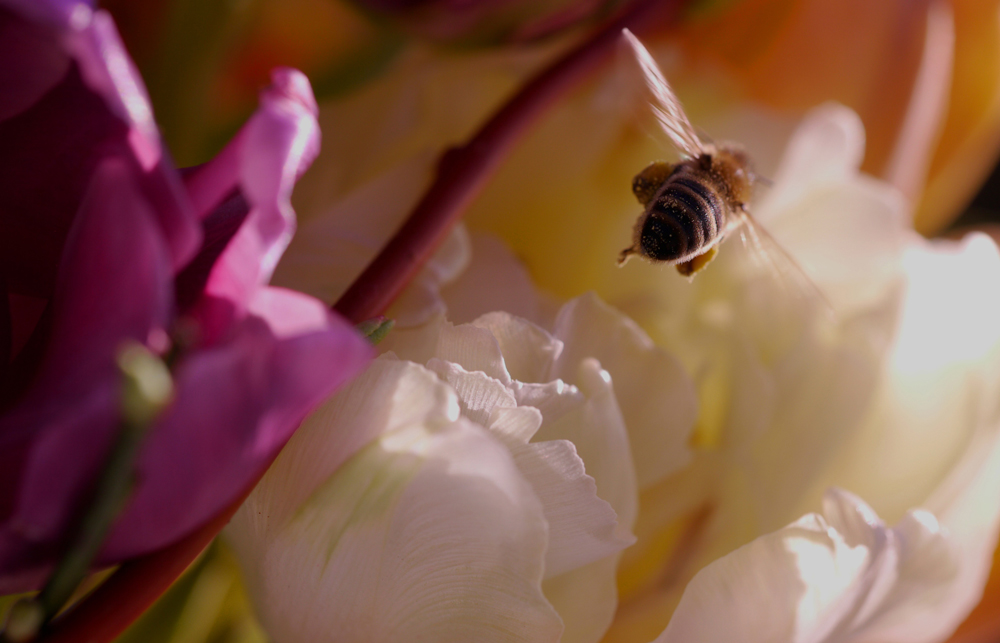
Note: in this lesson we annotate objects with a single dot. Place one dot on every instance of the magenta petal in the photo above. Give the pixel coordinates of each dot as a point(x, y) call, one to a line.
point(237, 403)
point(29, 64)
point(48, 153)
point(277, 144)
point(114, 286)
point(115, 281)
point(57, 468)
point(88, 187)
point(98, 108)
point(108, 71)
point(57, 13)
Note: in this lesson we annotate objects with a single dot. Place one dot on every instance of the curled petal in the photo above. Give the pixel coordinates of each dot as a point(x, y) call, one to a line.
point(275, 146)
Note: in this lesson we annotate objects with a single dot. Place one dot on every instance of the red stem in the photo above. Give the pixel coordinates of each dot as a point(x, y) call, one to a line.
point(133, 588)
point(463, 172)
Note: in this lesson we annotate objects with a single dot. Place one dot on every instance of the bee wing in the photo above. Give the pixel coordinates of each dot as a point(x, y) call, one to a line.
point(779, 262)
point(666, 107)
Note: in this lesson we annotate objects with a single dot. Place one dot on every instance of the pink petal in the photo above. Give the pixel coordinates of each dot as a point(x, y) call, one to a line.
point(48, 148)
point(237, 404)
point(114, 286)
point(273, 149)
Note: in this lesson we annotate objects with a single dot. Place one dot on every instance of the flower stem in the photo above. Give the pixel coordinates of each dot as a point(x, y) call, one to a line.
point(464, 171)
point(146, 390)
point(112, 492)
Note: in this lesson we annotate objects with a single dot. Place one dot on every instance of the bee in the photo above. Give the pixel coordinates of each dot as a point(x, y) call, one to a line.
point(692, 205)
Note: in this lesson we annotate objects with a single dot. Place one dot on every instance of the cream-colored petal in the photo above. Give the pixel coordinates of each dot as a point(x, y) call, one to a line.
point(425, 535)
point(937, 391)
point(777, 588)
point(655, 395)
point(839, 576)
point(589, 417)
point(510, 286)
point(916, 605)
point(478, 393)
point(586, 599)
point(583, 528)
point(968, 506)
point(389, 395)
point(821, 393)
point(529, 352)
point(826, 148)
point(848, 237)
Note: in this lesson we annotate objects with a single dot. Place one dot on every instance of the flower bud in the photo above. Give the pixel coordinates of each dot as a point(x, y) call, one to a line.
point(147, 387)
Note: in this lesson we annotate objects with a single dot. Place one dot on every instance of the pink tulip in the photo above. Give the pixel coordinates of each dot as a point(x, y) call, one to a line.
point(102, 243)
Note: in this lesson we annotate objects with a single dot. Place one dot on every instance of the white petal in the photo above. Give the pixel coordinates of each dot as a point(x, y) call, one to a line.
point(840, 576)
point(515, 425)
point(389, 395)
point(425, 535)
point(478, 393)
point(475, 349)
point(589, 418)
point(421, 300)
point(826, 148)
point(586, 599)
point(582, 527)
point(510, 286)
point(528, 350)
point(655, 395)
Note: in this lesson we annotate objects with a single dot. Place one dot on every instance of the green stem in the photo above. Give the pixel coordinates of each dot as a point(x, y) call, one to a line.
point(112, 493)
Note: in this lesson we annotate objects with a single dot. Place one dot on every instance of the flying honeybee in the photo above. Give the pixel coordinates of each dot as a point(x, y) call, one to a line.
point(691, 205)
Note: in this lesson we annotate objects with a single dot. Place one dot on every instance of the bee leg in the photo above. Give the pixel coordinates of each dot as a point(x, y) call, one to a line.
point(646, 183)
point(691, 266)
point(625, 255)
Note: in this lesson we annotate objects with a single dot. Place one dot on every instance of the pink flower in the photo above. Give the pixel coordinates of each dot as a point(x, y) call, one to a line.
point(101, 243)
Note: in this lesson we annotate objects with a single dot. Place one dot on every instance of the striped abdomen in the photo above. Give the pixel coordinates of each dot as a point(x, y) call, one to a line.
point(685, 219)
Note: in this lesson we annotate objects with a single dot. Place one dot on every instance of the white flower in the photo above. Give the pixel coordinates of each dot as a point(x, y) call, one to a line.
point(461, 457)
point(481, 481)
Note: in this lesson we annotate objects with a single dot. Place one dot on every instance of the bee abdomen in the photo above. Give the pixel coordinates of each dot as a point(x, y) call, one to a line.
point(684, 220)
